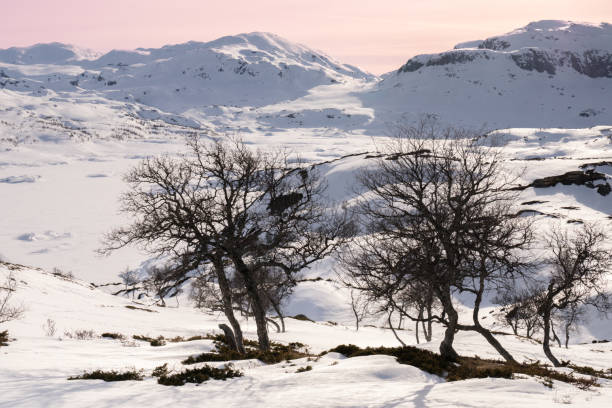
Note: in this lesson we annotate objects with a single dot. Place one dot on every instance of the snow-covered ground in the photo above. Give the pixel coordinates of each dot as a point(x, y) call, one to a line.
point(61, 197)
point(36, 366)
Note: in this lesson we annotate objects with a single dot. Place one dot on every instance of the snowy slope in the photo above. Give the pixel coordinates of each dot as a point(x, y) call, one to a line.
point(35, 366)
point(248, 69)
point(546, 74)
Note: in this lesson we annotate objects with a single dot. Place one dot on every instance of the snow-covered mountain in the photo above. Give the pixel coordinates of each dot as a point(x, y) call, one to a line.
point(247, 69)
point(547, 74)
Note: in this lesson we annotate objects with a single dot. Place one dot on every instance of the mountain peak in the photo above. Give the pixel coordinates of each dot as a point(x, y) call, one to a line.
point(46, 53)
point(555, 35)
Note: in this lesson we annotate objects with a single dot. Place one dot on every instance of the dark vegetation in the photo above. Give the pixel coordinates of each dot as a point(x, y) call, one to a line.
point(607, 374)
point(155, 342)
point(198, 375)
point(131, 375)
point(4, 338)
point(114, 336)
point(161, 340)
point(470, 367)
point(302, 317)
point(140, 308)
point(224, 352)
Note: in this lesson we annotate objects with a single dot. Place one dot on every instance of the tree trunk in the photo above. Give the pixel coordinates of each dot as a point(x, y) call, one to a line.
point(229, 336)
point(485, 332)
point(430, 300)
point(429, 323)
point(228, 309)
point(394, 332)
point(446, 346)
point(401, 319)
point(278, 329)
point(279, 313)
point(555, 337)
point(496, 344)
point(259, 311)
point(416, 327)
point(546, 340)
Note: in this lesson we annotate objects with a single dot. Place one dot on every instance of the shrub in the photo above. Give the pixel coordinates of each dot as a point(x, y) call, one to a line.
point(81, 334)
point(160, 371)
point(304, 369)
point(4, 338)
point(153, 342)
point(199, 375)
point(302, 317)
point(469, 367)
point(140, 308)
point(107, 376)
point(49, 327)
point(425, 360)
point(345, 349)
point(591, 371)
point(62, 274)
point(114, 336)
point(277, 353)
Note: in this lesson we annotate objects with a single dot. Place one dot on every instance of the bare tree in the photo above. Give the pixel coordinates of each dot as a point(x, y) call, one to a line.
point(129, 278)
point(571, 317)
point(211, 289)
point(359, 306)
point(276, 287)
point(578, 265)
point(225, 201)
point(519, 311)
point(9, 312)
point(157, 282)
point(438, 212)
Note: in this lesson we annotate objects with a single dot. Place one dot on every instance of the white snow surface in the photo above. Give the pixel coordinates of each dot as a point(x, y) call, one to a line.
point(36, 365)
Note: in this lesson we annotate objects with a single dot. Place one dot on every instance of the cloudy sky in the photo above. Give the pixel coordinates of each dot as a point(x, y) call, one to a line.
point(375, 35)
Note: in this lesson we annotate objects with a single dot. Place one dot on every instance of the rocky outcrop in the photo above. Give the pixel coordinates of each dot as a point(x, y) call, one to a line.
point(494, 44)
point(533, 59)
point(445, 58)
point(581, 178)
point(571, 177)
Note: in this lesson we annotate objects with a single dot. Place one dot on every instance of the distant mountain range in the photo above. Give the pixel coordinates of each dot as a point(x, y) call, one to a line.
point(546, 74)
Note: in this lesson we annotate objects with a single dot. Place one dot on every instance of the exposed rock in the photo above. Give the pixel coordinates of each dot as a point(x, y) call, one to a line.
point(445, 58)
point(279, 204)
point(494, 44)
point(592, 63)
point(533, 202)
point(596, 164)
point(528, 213)
point(535, 60)
point(572, 177)
point(604, 189)
point(411, 66)
point(575, 222)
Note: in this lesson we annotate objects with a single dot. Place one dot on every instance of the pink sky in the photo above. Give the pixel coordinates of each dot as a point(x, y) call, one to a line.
point(378, 36)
